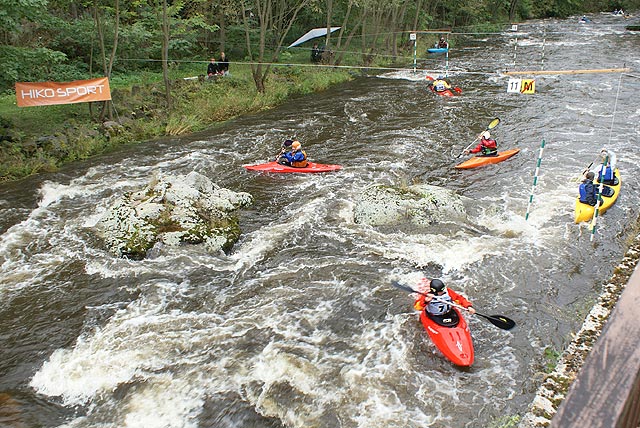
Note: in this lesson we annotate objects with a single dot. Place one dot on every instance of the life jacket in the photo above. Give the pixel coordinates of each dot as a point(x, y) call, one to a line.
point(607, 174)
point(489, 147)
point(440, 85)
point(586, 191)
point(437, 307)
point(300, 163)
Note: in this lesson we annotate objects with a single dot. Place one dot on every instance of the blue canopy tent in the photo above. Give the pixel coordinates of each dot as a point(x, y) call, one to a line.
point(312, 34)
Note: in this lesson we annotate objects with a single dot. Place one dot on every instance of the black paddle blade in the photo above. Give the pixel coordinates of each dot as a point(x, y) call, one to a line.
point(404, 287)
point(499, 321)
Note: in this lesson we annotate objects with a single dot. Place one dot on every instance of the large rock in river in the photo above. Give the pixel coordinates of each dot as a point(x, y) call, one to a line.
point(420, 204)
point(173, 210)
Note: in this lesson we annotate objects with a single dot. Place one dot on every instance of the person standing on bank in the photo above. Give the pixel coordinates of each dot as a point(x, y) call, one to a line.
point(223, 64)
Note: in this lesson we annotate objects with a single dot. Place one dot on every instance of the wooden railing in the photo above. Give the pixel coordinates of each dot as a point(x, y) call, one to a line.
point(606, 391)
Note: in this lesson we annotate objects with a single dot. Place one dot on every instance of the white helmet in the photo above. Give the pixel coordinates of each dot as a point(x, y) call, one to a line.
point(486, 135)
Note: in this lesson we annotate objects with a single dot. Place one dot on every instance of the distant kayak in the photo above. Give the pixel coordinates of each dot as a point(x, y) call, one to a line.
point(276, 167)
point(477, 161)
point(584, 212)
point(455, 342)
point(438, 50)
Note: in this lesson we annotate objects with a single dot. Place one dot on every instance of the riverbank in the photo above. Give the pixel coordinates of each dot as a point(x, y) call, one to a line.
point(38, 139)
point(556, 384)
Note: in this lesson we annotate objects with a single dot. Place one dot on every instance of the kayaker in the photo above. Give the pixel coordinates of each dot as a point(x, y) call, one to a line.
point(296, 158)
point(442, 43)
point(608, 161)
point(286, 147)
point(438, 300)
point(588, 190)
point(486, 147)
point(440, 84)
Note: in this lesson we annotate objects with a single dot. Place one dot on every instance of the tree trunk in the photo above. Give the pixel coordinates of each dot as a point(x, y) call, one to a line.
point(165, 54)
point(329, 13)
point(275, 18)
point(417, 17)
point(512, 10)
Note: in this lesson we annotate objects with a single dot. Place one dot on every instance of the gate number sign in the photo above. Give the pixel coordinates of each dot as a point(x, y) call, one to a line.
point(522, 86)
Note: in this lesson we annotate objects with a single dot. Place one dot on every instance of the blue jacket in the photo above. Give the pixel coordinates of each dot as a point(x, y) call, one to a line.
point(296, 156)
point(588, 192)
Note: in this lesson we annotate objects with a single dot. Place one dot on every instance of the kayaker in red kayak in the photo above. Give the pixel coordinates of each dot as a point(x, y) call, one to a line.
point(437, 302)
point(296, 158)
point(486, 147)
point(440, 84)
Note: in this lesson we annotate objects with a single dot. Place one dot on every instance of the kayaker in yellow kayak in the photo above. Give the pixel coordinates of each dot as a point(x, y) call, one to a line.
point(606, 167)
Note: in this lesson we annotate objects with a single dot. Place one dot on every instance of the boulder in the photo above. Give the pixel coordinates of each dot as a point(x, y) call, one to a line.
point(420, 205)
point(171, 211)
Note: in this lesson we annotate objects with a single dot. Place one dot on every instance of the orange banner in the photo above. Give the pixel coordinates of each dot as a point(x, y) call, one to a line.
point(31, 94)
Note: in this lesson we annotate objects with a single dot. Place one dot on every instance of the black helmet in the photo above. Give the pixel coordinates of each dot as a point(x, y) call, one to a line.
point(436, 286)
point(287, 143)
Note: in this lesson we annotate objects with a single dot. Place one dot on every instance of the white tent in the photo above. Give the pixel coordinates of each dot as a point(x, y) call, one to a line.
point(316, 32)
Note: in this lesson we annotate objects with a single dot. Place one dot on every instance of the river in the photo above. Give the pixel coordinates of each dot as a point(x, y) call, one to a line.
point(298, 326)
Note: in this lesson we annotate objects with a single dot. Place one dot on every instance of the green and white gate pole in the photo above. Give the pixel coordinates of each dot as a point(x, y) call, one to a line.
point(598, 196)
point(413, 37)
point(535, 180)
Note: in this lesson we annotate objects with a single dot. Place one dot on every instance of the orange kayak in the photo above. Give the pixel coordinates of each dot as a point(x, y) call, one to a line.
point(477, 161)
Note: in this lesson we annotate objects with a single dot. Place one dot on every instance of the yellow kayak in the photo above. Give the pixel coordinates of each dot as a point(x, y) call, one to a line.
point(584, 212)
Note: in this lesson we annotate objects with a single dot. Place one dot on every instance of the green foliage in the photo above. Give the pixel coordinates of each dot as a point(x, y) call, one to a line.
point(506, 422)
point(552, 356)
point(13, 13)
point(26, 64)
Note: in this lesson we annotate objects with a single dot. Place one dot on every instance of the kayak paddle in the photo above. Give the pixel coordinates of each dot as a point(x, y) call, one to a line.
point(499, 321)
point(583, 173)
point(286, 144)
point(491, 125)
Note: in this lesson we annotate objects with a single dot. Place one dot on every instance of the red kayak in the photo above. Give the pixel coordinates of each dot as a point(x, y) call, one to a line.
point(276, 167)
point(454, 342)
point(477, 161)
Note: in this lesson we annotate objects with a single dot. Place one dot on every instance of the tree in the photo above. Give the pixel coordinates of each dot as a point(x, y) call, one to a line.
point(274, 20)
point(107, 65)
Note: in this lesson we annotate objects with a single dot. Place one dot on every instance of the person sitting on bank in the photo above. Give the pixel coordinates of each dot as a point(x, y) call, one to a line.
point(442, 43)
point(223, 64)
point(213, 68)
point(438, 301)
point(486, 147)
point(440, 84)
point(607, 167)
point(296, 158)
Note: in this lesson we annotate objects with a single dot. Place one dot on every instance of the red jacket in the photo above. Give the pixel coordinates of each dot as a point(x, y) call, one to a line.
point(420, 303)
point(488, 146)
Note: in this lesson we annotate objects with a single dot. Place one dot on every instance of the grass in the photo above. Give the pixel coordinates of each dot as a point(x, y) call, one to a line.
point(36, 139)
